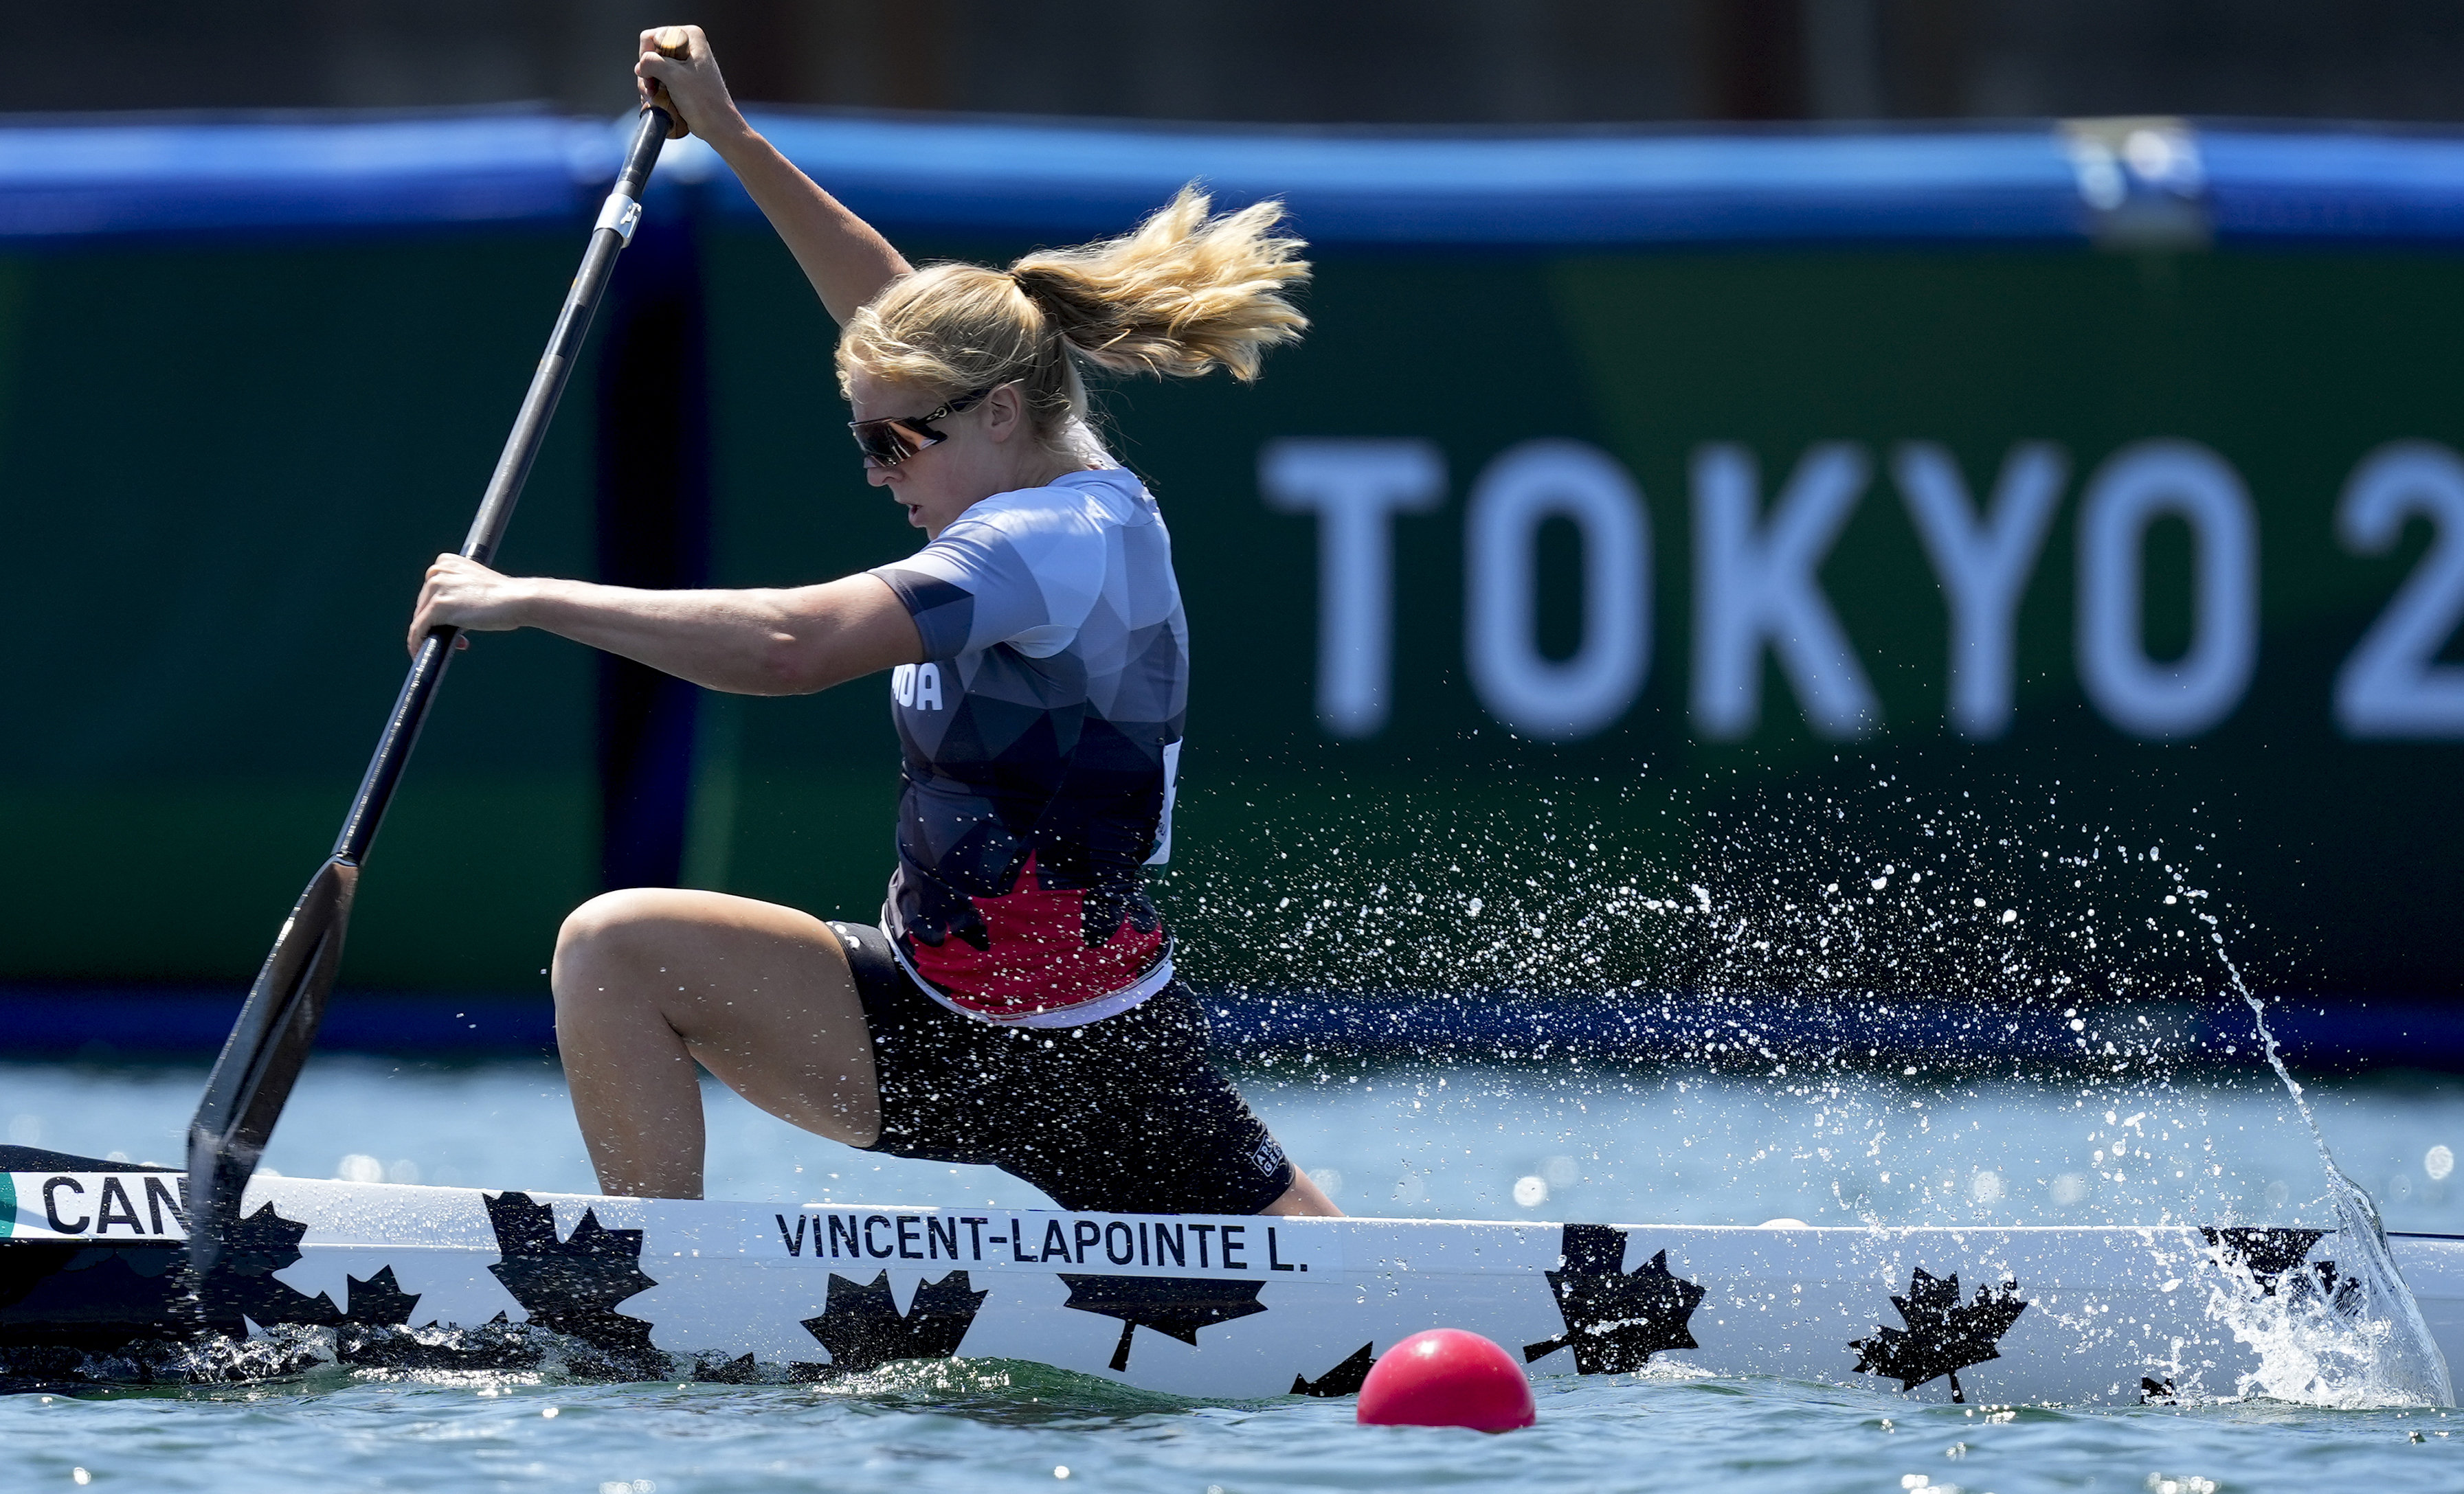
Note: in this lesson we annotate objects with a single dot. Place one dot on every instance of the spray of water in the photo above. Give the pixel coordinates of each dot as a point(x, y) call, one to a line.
point(1891, 972)
point(2358, 1339)
point(1891, 965)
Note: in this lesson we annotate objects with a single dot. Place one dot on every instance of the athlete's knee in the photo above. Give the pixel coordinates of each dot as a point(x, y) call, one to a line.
point(613, 919)
point(600, 937)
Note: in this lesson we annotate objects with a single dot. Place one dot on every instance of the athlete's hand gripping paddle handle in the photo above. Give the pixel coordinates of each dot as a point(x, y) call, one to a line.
point(268, 1043)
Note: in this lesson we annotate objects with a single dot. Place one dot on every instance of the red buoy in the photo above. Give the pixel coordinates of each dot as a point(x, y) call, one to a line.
point(1447, 1377)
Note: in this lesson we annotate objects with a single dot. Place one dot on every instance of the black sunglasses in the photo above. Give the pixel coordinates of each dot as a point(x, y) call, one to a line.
point(894, 439)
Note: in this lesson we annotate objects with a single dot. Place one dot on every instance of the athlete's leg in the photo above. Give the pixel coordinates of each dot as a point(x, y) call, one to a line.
point(649, 980)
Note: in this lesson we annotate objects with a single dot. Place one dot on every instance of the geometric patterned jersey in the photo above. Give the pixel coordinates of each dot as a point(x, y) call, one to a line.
point(1040, 742)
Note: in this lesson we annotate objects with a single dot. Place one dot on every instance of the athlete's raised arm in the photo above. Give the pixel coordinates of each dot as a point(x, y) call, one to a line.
point(845, 259)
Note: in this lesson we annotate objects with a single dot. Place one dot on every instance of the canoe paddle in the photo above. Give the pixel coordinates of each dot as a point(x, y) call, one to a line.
point(268, 1043)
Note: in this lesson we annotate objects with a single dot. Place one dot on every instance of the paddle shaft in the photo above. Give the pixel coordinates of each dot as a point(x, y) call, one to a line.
point(261, 1058)
point(615, 230)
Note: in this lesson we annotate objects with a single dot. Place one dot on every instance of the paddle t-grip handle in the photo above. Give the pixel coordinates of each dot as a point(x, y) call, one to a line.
point(675, 44)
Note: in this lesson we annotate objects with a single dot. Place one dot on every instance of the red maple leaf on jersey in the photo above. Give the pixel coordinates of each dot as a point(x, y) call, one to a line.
point(1037, 957)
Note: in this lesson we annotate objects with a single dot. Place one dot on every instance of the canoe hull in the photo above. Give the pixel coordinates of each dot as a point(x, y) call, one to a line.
point(1190, 1305)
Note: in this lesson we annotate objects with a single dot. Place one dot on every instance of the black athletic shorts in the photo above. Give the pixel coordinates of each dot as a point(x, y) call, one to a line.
point(1123, 1116)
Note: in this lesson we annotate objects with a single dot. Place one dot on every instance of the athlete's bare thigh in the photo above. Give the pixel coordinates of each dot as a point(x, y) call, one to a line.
point(651, 981)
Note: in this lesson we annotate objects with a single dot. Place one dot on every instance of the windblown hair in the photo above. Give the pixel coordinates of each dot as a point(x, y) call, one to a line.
point(1183, 294)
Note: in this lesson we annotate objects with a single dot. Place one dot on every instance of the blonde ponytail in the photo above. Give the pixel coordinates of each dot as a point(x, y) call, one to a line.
point(1183, 294)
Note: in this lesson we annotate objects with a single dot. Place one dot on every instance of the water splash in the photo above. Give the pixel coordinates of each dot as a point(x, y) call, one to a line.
point(1884, 963)
point(283, 1351)
point(1888, 961)
point(2354, 1337)
point(485, 1354)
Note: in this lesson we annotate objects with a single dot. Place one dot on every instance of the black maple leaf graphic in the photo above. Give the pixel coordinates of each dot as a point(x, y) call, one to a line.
point(243, 1283)
point(1176, 1305)
point(1942, 1336)
point(379, 1301)
point(2271, 1254)
point(862, 1329)
point(573, 1285)
point(1344, 1379)
point(1615, 1320)
point(264, 1243)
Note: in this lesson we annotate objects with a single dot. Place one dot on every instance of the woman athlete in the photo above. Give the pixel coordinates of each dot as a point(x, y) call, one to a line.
point(1017, 1005)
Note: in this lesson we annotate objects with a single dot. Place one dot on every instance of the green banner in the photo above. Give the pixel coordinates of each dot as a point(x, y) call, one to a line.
point(1528, 596)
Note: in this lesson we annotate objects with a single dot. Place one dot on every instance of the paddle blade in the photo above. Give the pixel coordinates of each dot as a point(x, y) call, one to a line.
point(244, 1095)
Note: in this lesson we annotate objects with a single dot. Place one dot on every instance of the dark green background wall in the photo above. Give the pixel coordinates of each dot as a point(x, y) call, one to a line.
point(225, 469)
point(225, 473)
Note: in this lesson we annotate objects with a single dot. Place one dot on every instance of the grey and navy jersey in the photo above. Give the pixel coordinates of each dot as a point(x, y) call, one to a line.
point(1041, 740)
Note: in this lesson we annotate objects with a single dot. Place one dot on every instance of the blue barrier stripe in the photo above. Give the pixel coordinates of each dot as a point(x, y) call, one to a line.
point(143, 178)
point(1521, 189)
point(146, 154)
point(2289, 186)
point(63, 183)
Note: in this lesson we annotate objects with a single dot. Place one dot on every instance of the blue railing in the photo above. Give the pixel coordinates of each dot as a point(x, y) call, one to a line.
point(66, 183)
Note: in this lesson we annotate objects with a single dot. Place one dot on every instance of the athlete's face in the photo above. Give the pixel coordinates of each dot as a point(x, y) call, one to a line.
point(983, 451)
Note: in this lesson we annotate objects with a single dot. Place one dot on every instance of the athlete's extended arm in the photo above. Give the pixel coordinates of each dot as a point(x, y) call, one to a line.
point(847, 262)
point(787, 641)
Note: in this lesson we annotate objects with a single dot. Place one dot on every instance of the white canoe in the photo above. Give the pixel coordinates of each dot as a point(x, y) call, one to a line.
point(1199, 1306)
